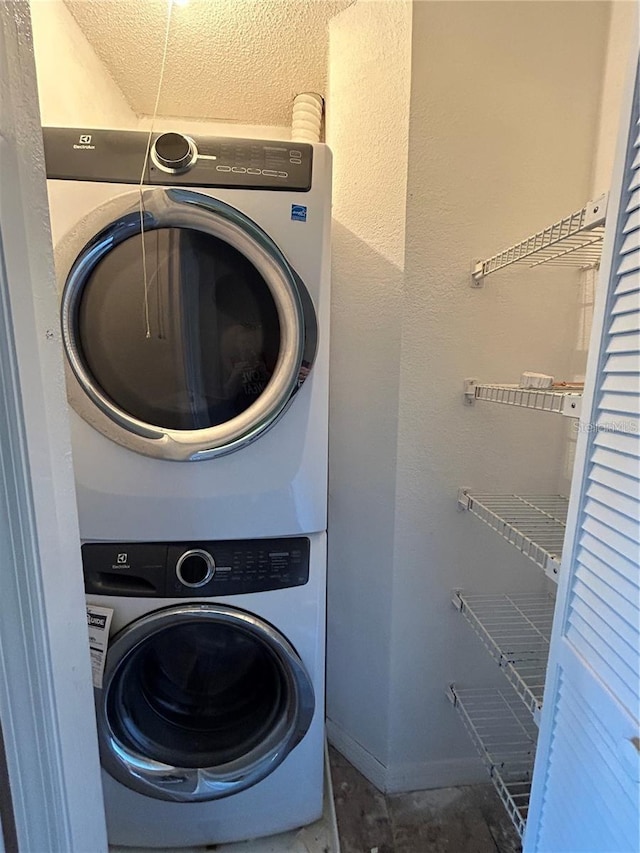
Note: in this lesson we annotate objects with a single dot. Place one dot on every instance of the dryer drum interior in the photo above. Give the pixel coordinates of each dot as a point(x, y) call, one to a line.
point(187, 337)
point(199, 702)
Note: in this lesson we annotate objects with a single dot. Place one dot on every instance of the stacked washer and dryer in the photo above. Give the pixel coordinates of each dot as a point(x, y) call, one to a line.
point(194, 279)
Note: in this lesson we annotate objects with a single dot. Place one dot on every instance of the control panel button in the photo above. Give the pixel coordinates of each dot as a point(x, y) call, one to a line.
point(195, 568)
point(174, 152)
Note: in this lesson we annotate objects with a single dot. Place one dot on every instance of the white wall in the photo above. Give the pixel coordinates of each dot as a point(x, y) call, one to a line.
point(73, 85)
point(368, 130)
point(164, 123)
point(499, 145)
point(622, 28)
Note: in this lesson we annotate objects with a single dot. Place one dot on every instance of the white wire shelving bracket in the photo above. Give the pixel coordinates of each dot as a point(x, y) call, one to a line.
point(534, 524)
point(574, 241)
point(561, 401)
point(516, 630)
point(505, 735)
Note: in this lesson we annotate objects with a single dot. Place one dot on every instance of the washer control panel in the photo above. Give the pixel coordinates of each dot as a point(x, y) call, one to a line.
point(193, 569)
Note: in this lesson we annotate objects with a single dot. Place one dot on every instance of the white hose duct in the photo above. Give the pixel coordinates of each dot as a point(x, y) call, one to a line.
point(307, 117)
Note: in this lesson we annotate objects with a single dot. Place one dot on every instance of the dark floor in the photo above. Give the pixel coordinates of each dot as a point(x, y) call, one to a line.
point(448, 820)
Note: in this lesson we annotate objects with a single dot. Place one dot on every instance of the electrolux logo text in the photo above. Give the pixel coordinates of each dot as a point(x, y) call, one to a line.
point(84, 143)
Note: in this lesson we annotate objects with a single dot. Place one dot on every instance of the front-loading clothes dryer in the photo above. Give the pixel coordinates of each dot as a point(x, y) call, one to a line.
point(211, 707)
point(195, 318)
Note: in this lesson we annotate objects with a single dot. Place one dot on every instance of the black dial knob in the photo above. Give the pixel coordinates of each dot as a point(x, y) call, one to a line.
point(195, 567)
point(173, 152)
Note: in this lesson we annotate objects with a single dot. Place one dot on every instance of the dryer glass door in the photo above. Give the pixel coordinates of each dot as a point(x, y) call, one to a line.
point(186, 338)
point(199, 349)
point(199, 702)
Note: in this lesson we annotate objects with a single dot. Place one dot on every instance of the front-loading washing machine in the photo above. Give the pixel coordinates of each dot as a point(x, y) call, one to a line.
point(210, 709)
point(194, 274)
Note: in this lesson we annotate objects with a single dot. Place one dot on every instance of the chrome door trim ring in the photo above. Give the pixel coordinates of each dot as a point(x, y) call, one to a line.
point(179, 784)
point(118, 220)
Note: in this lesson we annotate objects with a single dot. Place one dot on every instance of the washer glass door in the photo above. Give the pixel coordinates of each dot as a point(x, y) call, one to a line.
point(186, 338)
point(199, 702)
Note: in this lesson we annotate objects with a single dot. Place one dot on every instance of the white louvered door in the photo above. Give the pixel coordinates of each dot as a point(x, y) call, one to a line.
point(586, 790)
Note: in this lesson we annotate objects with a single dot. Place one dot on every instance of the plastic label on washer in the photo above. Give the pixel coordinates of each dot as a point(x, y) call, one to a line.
point(99, 622)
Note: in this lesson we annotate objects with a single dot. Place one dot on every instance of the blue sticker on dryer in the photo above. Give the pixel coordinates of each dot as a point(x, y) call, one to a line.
point(299, 212)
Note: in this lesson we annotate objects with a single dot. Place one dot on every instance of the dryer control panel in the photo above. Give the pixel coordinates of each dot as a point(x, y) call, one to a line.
point(176, 159)
point(194, 569)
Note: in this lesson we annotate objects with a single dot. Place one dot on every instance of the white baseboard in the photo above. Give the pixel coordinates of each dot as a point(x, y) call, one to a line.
point(362, 760)
point(400, 778)
point(447, 773)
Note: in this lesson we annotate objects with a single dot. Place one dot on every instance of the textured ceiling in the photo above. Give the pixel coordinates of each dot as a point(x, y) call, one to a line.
point(230, 60)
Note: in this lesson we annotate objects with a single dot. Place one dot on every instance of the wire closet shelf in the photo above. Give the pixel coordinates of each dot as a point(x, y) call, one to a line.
point(534, 524)
point(516, 630)
point(505, 736)
point(574, 241)
point(567, 402)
